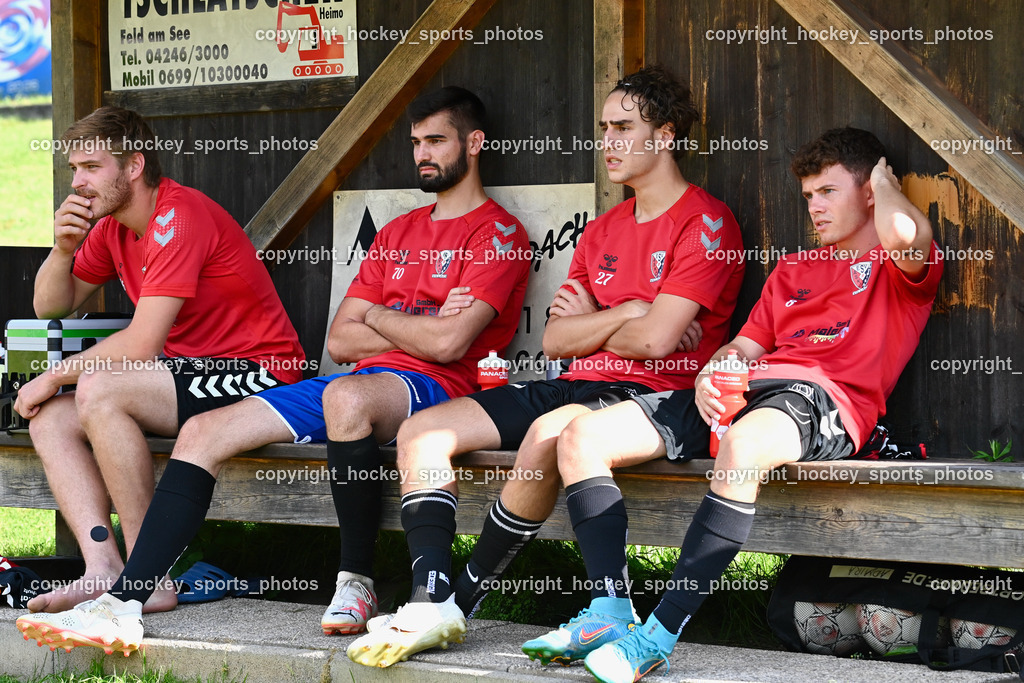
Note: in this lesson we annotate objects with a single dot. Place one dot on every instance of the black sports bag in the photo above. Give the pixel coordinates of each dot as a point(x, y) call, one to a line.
point(948, 617)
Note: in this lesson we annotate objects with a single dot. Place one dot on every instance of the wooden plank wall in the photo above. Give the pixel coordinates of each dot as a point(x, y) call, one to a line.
point(776, 92)
point(531, 88)
point(786, 95)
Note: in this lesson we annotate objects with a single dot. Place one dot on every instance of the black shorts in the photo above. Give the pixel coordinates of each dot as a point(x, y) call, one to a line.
point(822, 435)
point(203, 384)
point(678, 423)
point(514, 407)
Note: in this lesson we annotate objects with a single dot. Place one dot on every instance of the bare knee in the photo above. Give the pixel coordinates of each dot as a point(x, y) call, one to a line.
point(344, 407)
point(414, 437)
point(57, 419)
point(200, 442)
point(578, 443)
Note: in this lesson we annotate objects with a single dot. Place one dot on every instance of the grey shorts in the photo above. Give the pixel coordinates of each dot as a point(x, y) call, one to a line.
point(678, 423)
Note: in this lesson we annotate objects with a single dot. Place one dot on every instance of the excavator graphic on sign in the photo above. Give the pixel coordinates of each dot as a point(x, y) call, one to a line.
point(324, 46)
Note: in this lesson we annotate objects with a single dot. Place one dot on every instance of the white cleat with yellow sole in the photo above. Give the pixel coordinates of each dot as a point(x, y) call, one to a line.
point(415, 627)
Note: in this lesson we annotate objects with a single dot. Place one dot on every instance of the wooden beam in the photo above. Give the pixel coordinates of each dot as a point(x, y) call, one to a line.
point(76, 31)
point(618, 51)
point(365, 119)
point(324, 93)
point(918, 98)
point(77, 35)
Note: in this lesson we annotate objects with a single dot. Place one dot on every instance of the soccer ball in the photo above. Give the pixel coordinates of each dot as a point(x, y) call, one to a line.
point(888, 630)
point(975, 635)
point(828, 628)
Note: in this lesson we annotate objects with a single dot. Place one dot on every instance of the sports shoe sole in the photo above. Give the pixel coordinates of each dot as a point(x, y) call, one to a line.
point(399, 647)
point(344, 629)
point(55, 637)
point(546, 655)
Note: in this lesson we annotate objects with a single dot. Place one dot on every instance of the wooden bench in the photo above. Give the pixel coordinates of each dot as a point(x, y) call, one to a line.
point(944, 511)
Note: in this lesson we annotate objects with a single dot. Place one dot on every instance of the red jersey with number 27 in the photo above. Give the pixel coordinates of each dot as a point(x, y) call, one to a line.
point(693, 250)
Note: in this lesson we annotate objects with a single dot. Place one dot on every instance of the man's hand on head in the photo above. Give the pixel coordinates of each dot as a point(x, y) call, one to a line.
point(882, 176)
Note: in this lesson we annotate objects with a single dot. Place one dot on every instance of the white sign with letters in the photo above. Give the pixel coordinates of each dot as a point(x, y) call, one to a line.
point(554, 216)
point(178, 43)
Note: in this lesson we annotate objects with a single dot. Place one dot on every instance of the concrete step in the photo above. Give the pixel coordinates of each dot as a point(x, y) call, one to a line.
point(268, 642)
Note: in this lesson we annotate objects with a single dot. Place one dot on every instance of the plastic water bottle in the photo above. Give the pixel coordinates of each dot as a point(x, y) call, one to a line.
point(492, 371)
point(729, 376)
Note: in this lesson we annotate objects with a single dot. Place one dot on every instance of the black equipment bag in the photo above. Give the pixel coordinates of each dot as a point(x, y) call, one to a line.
point(948, 617)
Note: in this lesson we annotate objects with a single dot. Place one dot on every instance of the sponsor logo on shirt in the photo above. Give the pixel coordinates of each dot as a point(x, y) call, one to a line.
point(657, 264)
point(443, 262)
point(609, 263)
point(860, 273)
point(403, 257)
point(801, 295)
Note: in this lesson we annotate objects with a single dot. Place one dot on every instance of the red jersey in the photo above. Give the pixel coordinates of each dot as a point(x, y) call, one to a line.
point(193, 249)
point(847, 325)
point(415, 261)
point(693, 250)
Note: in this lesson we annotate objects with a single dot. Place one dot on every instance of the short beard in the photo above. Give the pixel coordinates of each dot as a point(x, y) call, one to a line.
point(448, 177)
point(120, 196)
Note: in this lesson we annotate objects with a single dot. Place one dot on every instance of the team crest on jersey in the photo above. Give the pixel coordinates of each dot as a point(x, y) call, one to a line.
point(443, 262)
point(609, 263)
point(860, 273)
point(657, 264)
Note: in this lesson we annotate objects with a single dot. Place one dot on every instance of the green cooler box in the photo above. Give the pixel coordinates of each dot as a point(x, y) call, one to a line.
point(32, 346)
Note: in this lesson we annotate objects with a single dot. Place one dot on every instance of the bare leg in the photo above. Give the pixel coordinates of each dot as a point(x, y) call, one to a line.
point(115, 407)
point(428, 441)
point(77, 484)
point(208, 440)
point(617, 436)
point(534, 497)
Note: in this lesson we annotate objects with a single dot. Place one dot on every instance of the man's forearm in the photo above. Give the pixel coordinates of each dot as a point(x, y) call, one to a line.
point(353, 341)
point(575, 336)
point(54, 291)
point(421, 336)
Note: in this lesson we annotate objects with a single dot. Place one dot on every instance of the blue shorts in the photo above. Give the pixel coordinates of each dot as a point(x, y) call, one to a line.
point(301, 406)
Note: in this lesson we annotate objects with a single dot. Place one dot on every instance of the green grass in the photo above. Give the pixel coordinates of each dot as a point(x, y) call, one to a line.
point(26, 183)
point(95, 674)
point(26, 533)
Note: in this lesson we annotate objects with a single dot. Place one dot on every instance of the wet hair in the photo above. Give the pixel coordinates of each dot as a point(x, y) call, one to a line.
point(465, 110)
point(662, 99)
point(856, 150)
point(112, 126)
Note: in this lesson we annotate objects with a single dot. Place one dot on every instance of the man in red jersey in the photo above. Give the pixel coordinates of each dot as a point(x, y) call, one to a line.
point(643, 284)
point(432, 297)
point(203, 301)
point(830, 335)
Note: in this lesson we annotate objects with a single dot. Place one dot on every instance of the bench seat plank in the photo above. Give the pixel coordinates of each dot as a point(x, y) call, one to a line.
point(960, 512)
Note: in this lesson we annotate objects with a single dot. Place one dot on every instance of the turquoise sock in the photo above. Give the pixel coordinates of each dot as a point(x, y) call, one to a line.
point(620, 608)
point(659, 635)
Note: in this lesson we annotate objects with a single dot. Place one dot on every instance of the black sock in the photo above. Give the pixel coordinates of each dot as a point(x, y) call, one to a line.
point(356, 487)
point(179, 507)
point(428, 517)
point(599, 521)
point(503, 537)
point(719, 529)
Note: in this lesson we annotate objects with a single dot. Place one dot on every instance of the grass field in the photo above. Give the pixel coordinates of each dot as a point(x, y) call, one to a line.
point(26, 183)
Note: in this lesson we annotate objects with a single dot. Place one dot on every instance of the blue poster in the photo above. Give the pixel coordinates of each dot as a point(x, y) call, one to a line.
point(25, 48)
